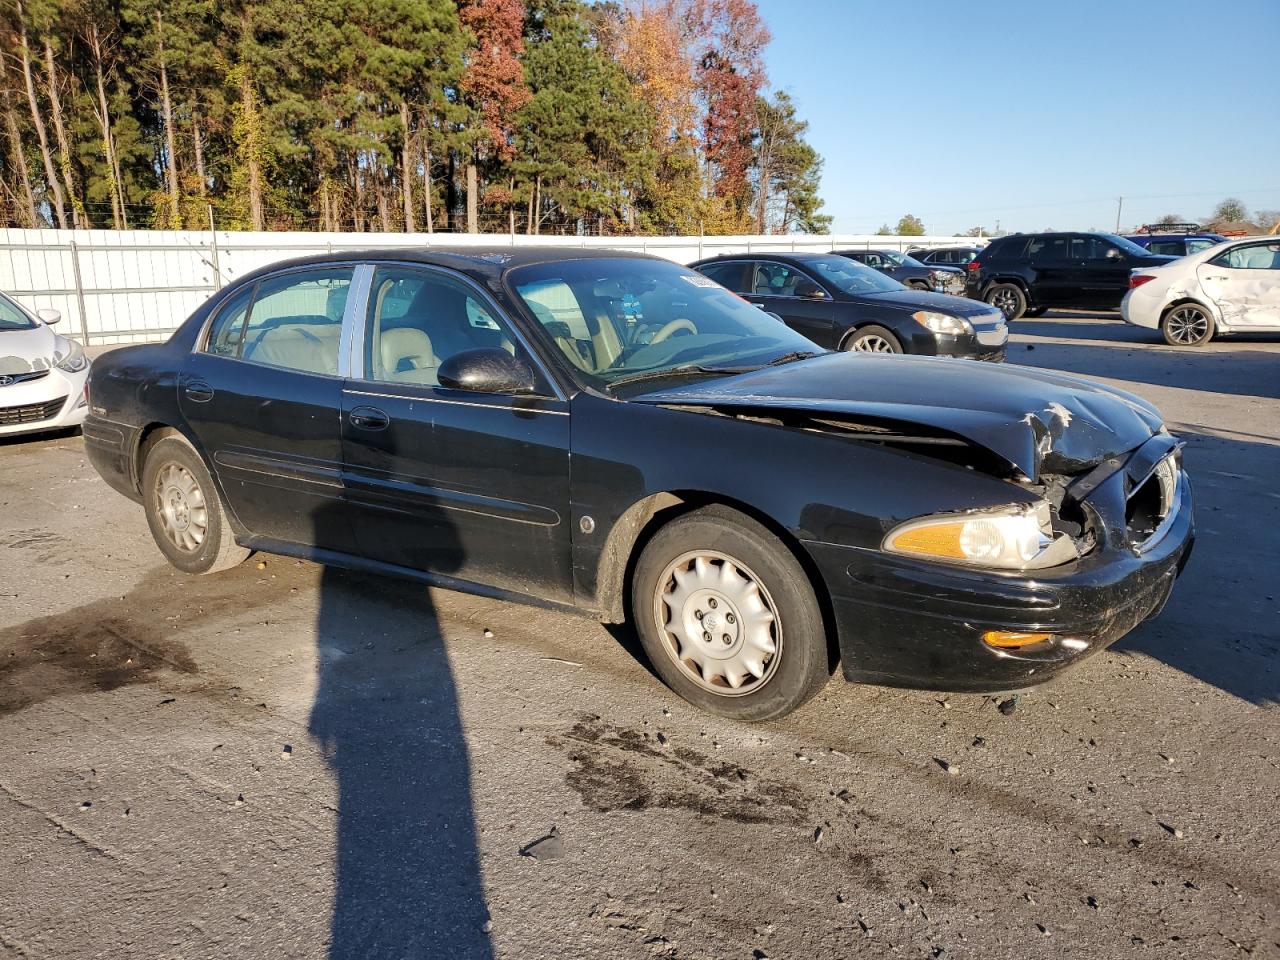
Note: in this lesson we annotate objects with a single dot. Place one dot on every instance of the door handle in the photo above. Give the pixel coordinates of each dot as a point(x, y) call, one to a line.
point(369, 418)
point(1217, 278)
point(198, 391)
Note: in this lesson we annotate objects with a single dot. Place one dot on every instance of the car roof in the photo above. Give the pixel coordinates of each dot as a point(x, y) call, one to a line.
point(488, 262)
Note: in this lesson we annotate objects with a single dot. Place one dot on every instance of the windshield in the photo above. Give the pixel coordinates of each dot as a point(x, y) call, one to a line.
point(619, 319)
point(1128, 246)
point(13, 317)
point(849, 276)
point(900, 259)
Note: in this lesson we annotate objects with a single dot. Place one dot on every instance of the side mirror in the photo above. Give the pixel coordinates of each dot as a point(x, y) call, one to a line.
point(487, 370)
point(48, 315)
point(808, 290)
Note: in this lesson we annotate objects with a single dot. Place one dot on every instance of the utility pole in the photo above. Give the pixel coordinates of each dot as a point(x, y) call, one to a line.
point(1119, 207)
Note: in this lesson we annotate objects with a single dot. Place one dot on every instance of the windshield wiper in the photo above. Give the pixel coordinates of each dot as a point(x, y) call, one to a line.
point(680, 371)
point(792, 357)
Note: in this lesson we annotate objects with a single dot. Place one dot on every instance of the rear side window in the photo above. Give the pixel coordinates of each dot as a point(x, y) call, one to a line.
point(228, 327)
point(728, 275)
point(1012, 248)
point(1195, 246)
point(1258, 256)
point(1172, 248)
point(292, 321)
point(1047, 249)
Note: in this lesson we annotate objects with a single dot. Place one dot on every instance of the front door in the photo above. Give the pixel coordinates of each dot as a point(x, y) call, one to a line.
point(772, 286)
point(262, 396)
point(460, 484)
point(1103, 272)
point(1245, 283)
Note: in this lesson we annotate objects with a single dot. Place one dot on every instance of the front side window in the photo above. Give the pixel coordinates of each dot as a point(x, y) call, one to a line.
point(1093, 248)
point(1257, 256)
point(13, 317)
point(616, 318)
point(418, 319)
point(292, 321)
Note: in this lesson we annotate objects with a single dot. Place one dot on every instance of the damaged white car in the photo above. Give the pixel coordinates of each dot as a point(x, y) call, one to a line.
point(42, 374)
point(1233, 287)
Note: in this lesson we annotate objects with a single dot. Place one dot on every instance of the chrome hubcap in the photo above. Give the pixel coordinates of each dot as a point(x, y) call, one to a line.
point(181, 507)
point(872, 344)
point(1187, 325)
point(718, 622)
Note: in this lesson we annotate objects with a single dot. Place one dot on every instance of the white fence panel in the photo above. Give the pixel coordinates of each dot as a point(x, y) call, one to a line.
point(130, 286)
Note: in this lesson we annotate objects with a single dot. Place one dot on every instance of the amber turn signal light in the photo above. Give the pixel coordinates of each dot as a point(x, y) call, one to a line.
point(1013, 639)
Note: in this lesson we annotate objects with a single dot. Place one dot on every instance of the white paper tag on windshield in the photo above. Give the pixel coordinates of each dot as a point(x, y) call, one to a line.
point(699, 281)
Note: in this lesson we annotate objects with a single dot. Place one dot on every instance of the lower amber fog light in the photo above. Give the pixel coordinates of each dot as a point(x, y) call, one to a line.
point(1013, 639)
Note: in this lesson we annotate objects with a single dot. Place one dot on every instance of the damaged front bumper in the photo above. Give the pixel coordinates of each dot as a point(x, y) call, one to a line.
point(907, 622)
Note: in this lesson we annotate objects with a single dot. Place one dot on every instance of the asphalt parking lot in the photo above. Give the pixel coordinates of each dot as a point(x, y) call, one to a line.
point(290, 761)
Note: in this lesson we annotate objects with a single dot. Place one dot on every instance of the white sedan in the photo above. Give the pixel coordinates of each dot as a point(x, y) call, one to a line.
point(42, 374)
point(1233, 287)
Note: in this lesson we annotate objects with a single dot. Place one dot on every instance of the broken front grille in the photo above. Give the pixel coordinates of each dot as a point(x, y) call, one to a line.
point(31, 412)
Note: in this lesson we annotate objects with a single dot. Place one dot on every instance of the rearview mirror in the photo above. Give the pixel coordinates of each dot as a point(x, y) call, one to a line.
point(808, 290)
point(48, 315)
point(487, 370)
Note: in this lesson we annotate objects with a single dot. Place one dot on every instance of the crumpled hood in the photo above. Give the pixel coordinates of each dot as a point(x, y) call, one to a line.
point(1032, 419)
point(22, 351)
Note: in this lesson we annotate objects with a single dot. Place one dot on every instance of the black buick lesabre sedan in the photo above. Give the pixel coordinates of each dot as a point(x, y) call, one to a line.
point(839, 303)
point(622, 436)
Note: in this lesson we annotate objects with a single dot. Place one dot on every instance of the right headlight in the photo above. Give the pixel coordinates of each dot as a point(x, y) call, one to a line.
point(1017, 537)
point(942, 323)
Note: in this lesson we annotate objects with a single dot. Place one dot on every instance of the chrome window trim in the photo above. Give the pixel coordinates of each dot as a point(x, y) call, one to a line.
point(462, 403)
point(502, 316)
point(227, 294)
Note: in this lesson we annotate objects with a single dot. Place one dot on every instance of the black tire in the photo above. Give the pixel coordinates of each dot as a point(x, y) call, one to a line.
point(1187, 325)
point(872, 339)
point(171, 463)
point(800, 664)
point(919, 285)
point(1035, 312)
point(1008, 298)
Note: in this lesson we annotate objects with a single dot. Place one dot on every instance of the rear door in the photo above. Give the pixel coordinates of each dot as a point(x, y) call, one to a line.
point(772, 287)
point(1055, 278)
point(455, 483)
point(1245, 283)
point(262, 395)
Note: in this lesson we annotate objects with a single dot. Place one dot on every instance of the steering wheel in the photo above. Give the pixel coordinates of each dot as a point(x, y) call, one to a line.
point(671, 327)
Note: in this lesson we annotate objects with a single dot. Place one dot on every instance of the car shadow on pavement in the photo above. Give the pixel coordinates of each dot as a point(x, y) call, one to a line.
point(1247, 373)
point(1222, 623)
point(407, 871)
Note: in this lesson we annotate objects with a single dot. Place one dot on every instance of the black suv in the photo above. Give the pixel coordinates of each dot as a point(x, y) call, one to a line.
point(1027, 273)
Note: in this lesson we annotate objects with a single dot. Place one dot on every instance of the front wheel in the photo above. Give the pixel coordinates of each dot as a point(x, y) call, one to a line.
point(1035, 312)
point(1187, 325)
point(872, 339)
point(728, 616)
point(1009, 299)
point(184, 511)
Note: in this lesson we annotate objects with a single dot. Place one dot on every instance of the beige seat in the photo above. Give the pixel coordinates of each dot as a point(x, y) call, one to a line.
point(311, 348)
point(406, 355)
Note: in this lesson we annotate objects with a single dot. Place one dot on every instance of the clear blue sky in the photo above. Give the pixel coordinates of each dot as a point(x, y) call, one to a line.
point(1036, 113)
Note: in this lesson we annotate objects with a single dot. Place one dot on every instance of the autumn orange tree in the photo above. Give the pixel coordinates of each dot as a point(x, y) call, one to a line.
point(538, 116)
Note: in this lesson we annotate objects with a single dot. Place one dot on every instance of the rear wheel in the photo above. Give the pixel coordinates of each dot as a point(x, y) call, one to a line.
point(872, 339)
point(1187, 325)
point(728, 616)
point(1035, 311)
point(1009, 299)
point(183, 510)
